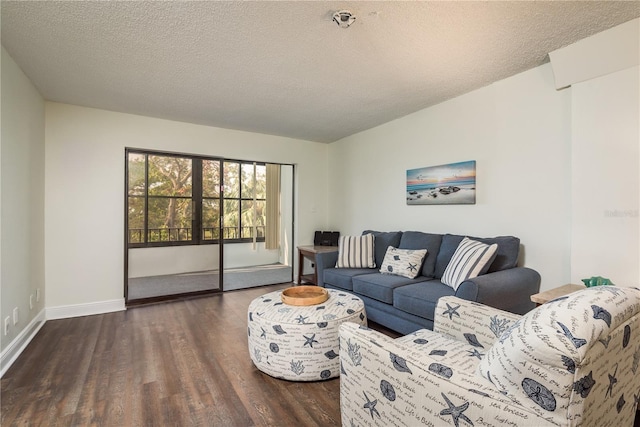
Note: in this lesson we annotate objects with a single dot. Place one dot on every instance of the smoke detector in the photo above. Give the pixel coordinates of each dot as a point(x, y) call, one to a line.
point(343, 18)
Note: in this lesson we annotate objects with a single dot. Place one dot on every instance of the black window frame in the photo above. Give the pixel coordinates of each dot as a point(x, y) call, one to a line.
point(197, 197)
point(241, 198)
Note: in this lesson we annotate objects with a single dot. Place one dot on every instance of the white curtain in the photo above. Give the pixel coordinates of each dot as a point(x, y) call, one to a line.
point(272, 232)
point(254, 231)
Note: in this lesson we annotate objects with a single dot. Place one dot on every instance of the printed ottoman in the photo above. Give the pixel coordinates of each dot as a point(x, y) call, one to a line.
point(300, 343)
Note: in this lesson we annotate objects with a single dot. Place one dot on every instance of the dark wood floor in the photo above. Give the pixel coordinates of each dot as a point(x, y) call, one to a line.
point(180, 363)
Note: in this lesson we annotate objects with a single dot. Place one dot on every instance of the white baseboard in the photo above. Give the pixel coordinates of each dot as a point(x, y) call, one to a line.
point(77, 310)
point(17, 346)
point(19, 343)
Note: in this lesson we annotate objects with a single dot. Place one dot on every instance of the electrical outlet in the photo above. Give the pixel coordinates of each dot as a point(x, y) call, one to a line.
point(15, 315)
point(31, 302)
point(7, 321)
point(38, 295)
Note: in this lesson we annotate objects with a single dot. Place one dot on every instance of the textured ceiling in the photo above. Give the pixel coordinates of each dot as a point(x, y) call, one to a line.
point(284, 68)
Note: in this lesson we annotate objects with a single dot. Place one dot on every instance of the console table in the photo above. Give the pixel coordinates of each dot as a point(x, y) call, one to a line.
point(309, 252)
point(546, 296)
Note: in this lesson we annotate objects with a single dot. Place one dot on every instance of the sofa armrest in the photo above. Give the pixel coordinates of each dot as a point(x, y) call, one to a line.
point(465, 320)
point(386, 383)
point(508, 290)
point(323, 261)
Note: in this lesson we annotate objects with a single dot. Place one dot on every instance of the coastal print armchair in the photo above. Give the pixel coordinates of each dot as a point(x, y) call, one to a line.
point(573, 361)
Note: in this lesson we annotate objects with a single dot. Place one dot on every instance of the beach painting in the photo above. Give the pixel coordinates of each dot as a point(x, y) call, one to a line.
point(452, 184)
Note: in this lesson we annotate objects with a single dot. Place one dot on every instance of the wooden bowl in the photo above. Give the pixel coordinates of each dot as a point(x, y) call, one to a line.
point(304, 295)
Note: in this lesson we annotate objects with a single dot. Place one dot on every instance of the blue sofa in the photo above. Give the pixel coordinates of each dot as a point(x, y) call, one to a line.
point(406, 305)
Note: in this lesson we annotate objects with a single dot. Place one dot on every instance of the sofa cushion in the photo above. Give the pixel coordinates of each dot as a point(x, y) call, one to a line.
point(506, 256)
point(356, 252)
point(403, 262)
point(419, 240)
point(382, 240)
point(420, 299)
point(380, 286)
point(394, 319)
point(341, 277)
point(471, 259)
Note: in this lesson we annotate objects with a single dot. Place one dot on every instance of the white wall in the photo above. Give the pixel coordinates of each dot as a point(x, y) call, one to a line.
point(84, 199)
point(606, 178)
point(518, 131)
point(183, 259)
point(22, 195)
point(604, 73)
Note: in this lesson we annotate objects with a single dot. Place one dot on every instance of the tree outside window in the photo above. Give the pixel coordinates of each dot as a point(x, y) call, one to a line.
point(164, 190)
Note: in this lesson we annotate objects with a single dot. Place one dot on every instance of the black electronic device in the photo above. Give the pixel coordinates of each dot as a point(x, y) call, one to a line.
point(326, 238)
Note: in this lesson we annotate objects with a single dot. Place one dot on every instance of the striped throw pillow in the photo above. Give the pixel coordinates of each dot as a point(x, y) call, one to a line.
point(470, 259)
point(356, 252)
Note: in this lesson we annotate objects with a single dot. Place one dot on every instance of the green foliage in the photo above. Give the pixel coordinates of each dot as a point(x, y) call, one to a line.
point(169, 185)
point(597, 281)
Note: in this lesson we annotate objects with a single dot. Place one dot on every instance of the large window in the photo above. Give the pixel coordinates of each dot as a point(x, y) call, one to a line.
point(245, 199)
point(178, 200)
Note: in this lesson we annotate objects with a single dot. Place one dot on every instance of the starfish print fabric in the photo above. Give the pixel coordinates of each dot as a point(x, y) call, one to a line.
point(300, 343)
point(571, 353)
point(571, 362)
point(403, 262)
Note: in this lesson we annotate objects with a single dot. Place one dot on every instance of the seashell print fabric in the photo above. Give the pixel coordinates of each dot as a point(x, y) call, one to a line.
point(571, 360)
point(421, 379)
point(488, 323)
point(300, 343)
point(432, 378)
